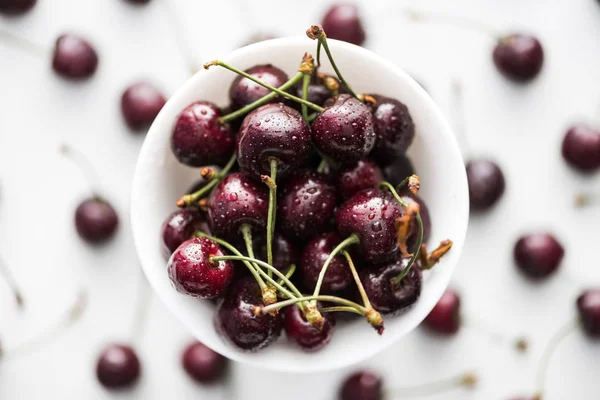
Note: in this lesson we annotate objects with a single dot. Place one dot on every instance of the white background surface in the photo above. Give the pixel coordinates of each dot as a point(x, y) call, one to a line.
point(521, 127)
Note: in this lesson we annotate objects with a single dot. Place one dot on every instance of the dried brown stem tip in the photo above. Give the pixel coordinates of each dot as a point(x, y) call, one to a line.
point(331, 84)
point(469, 380)
point(375, 320)
point(522, 345)
point(257, 311)
point(414, 184)
point(403, 227)
point(313, 316)
point(434, 257)
point(268, 181)
point(307, 66)
point(269, 295)
point(208, 173)
point(184, 201)
point(210, 64)
point(316, 32)
point(203, 204)
point(365, 98)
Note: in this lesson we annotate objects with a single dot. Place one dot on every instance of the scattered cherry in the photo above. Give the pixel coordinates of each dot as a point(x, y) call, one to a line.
point(342, 22)
point(243, 91)
point(284, 251)
point(74, 57)
point(193, 272)
point(486, 184)
point(118, 367)
point(538, 255)
point(203, 364)
point(362, 385)
point(304, 334)
point(179, 227)
point(399, 170)
point(96, 220)
point(588, 306)
point(445, 316)
point(338, 276)
point(519, 57)
point(306, 205)
point(237, 321)
point(199, 139)
point(140, 104)
point(581, 148)
point(344, 131)
point(364, 174)
point(16, 7)
point(394, 127)
point(273, 131)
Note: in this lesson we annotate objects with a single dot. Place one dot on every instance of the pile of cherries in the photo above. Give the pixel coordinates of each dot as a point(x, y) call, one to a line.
point(292, 201)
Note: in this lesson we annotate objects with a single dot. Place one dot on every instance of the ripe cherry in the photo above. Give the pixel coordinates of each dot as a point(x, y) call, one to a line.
point(445, 316)
point(581, 148)
point(237, 321)
point(179, 227)
point(338, 276)
point(199, 139)
point(538, 255)
point(394, 127)
point(96, 220)
point(140, 104)
point(203, 364)
point(304, 334)
point(588, 306)
point(306, 205)
point(16, 7)
point(284, 251)
point(342, 22)
point(486, 184)
point(243, 91)
point(118, 367)
point(397, 171)
point(362, 385)
point(519, 57)
point(344, 131)
point(273, 131)
point(74, 57)
point(193, 272)
point(364, 174)
point(317, 93)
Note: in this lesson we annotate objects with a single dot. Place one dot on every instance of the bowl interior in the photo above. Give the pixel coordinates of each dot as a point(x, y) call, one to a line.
point(159, 180)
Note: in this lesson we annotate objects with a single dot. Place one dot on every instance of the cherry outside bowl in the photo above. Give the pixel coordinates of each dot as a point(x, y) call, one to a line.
point(159, 180)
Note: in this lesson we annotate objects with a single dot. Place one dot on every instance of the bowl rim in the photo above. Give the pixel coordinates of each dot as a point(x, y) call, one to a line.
point(463, 209)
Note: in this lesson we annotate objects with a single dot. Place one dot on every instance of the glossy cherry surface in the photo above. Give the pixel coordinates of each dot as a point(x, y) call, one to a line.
point(203, 364)
point(344, 132)
point(243, 91)
point(237, 322)
point(273, 131)
point(305, 206)
point(581, 148)
point(352, 179)
point(192, 272)
point(338, 276)
point(179, 227)
point(16, 7)
point(538, 255)
point(199, 139)
point(284, 251)
point(118, 367)
point(486, 184)
point(74, 57)
point(343, 22)
point(140, 104)
point(588, 306)
point(304, 334)
point(96, 220)
point(445, 316)
point(362, 385)
point(235, 201)
point(519, 57)
point(394, 127)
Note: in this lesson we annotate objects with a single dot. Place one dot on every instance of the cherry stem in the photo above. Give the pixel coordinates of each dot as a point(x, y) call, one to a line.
point(468, 379)
point(340, 309)
point(305, 82)
point(190, 199)
point(288, 274)
point(545, 360)
point(359, 284)
point(72, 315)
point(84, 165)
point(312, 117)
point(465, 22)
point(398, 279)
point(319, 54)
point(479, 325)
point(413, 183)
point(317, 32)
point(21, 42)
point(331, 299)
point(10, 280)
point(350, 240)
point(271, 213)
point(263, 100)
point(141, 308)
point(246, 231)
point(271, 88)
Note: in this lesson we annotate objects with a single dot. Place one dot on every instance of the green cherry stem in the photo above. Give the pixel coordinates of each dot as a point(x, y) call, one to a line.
point(317, 32)
point(288, 274)
point(359, 284)
point(265, 85)
point(331, 299)
point(270, 181)
point(319, 54)
point(340, 309)
point(10, 280)
point(465, 380)
point(305, 82)
point(322, 166)
point(190, 199)
point(350, 240)
point(246, 231)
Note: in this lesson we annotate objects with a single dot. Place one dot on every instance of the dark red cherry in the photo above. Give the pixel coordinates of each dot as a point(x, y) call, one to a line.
point(273, 131)
point(284, 251)
point(362, 385)
point(304, 334)
point(581, 148)
point(96, 220)
point(317, 93)
point(519, 57)
point(486, 184)
point(235, 201)
point(118, 367)
point(425, 217)
point(338, 276)
point(74, 57)
point(203, 364)
point(386, 297)
point(305, 206)
point(588, 306)
point(371, 215)
point(243, 91)
point(342, 22)
point(445, 316)
point(237, 322)
point(538, 255)
point(140, 104)
point(193, 273)
point(15, 7)
point(397, 171)
point(179, 227)
point(394, 127)
point(364, 174)
point(199, 139)
point(344, 131)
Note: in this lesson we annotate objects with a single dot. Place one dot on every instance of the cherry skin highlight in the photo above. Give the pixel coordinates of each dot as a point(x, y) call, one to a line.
point(118, 367)
point(243, 91)
point(74, 57)
point(96, 220)
point(343, 22)
point(203, 364)
point(588, 306)
point(304, 334)
point(192, 272)
point(581, 148)
point(338, 276)
point(538, 255)
point(362, 385)
point(445, 316)
point(179, 227)
point(519, 57)
point(140, 104)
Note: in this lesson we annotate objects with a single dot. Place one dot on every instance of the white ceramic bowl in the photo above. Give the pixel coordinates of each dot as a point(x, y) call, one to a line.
point(159, 180)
